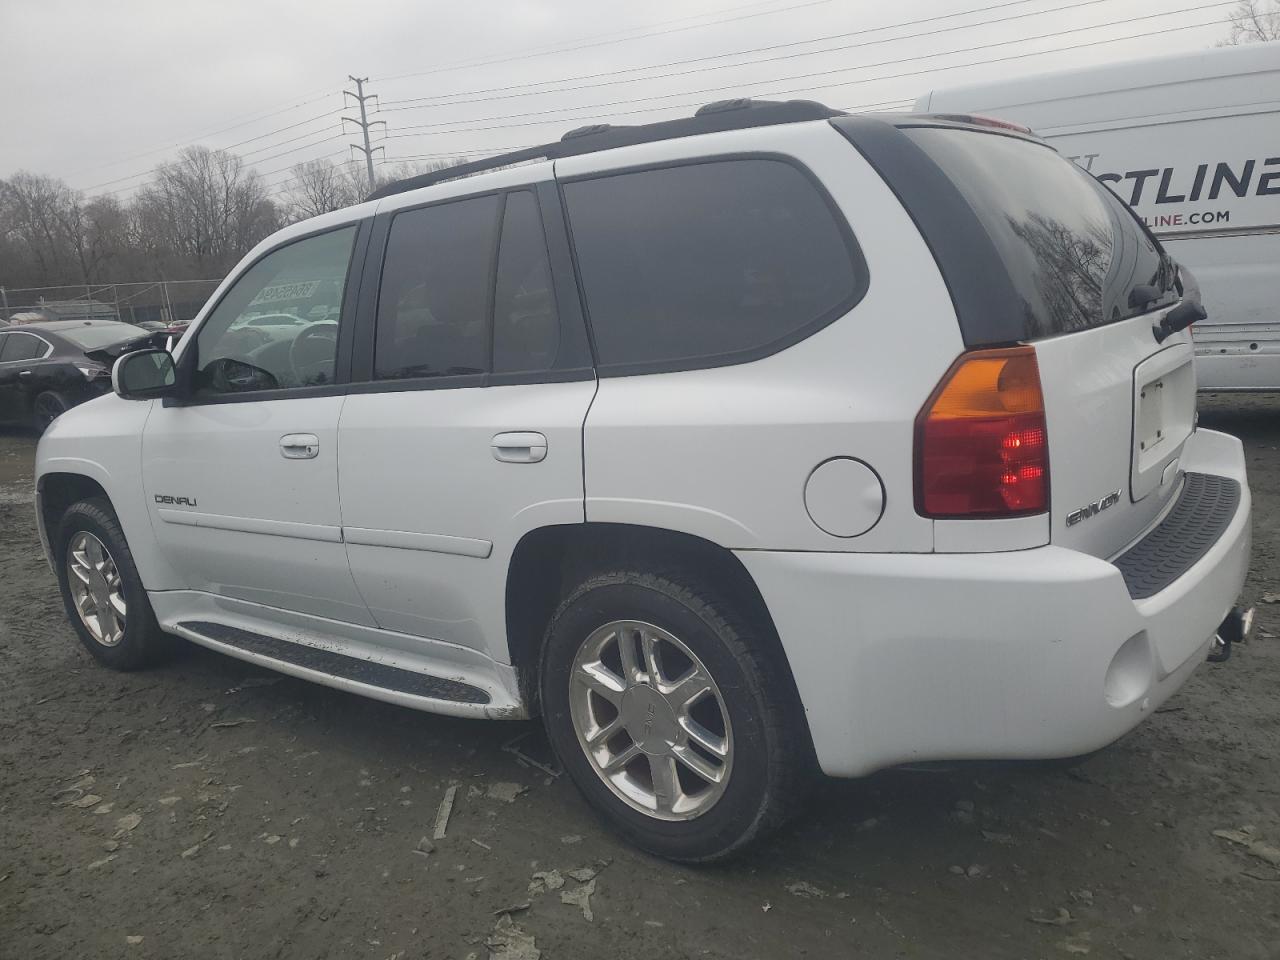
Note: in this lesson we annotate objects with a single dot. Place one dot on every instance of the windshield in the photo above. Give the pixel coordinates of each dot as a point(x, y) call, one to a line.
point(1076, 255)
point(97, 338)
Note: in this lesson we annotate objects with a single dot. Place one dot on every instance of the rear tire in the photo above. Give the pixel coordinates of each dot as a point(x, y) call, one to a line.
point(102, 592)
point(693, 781)
point(46, 408)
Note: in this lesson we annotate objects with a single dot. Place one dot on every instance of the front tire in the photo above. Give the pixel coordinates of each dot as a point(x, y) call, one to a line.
point(666, 708)
point(102, 592)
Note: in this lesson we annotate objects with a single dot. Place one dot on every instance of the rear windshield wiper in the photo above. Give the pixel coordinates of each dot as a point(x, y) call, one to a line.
point(1143, 294)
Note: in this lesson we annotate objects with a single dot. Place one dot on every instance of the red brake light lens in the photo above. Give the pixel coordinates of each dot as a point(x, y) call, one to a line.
point(981, 444)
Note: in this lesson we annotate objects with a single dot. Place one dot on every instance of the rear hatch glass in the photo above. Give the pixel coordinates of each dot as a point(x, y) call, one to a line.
point(1077, 256)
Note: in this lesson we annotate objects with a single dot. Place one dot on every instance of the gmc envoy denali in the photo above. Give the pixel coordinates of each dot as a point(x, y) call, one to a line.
point(765, 441)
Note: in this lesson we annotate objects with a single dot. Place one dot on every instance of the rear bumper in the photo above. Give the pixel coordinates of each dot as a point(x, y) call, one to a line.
point(1038, 653)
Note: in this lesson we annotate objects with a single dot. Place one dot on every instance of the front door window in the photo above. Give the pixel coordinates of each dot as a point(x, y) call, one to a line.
point(277, 328)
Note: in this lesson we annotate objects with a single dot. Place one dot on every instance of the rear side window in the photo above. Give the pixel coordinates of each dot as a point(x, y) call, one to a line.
point(21, 346)
point(1077, 257)
point(526, 327)
point(708, 263)
point(433, 308)
point(467, 289)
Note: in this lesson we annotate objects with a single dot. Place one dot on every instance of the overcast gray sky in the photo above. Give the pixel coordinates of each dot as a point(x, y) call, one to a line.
point(99, 92)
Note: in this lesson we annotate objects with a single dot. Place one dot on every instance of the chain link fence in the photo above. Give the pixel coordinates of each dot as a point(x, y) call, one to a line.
point(162, 301)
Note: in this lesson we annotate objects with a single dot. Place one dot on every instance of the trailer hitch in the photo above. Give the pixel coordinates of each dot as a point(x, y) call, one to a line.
point(1235, 628)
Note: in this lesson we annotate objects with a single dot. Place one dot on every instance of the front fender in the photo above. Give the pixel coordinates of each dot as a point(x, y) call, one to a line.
point(102, 441)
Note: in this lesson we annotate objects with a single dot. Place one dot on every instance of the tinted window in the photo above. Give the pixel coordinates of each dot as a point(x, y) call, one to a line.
point(21, 346)
point(706, 260)
point(306, 278)
point(526, 328)
point(433, 307)
point(1075, 254)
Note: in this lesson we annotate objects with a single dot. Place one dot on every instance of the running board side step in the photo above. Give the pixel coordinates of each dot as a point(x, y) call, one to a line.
point(336, 669)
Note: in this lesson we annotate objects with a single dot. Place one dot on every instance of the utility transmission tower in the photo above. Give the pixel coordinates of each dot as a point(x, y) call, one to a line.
point(363, 123)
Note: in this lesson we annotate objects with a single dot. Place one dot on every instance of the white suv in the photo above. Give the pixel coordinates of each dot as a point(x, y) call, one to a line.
point(737, 446)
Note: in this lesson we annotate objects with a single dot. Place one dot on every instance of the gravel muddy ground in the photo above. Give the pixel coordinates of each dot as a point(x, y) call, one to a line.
point(209, 809)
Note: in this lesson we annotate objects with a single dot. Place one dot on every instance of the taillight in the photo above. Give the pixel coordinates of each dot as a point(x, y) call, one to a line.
point(981, 445)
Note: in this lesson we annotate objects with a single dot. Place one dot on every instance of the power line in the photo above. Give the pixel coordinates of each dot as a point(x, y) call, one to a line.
point(327, 115)
point(280, 143)
point(285, 153)
point(818, 73)
point(408, 131)
point(606, 42)
point(391, 104)
point(150, 170)
point(212, 133)
point(316, 143)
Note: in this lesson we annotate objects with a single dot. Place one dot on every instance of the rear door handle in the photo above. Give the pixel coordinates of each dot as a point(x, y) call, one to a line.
point(299, 446)
point(519, 447)
point(24, 373)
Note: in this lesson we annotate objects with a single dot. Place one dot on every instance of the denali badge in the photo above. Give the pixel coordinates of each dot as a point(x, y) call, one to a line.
point(1089, 509)
point(175, 501)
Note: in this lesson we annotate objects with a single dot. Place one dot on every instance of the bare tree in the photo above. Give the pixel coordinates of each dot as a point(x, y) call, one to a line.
point(202, 211)
point(321, 186)
point(52, 235)
point(1254, 21)
point(37, 211)
point(193, 220)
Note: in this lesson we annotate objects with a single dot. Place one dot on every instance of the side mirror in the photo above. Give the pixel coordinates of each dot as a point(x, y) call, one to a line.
point(144, 374)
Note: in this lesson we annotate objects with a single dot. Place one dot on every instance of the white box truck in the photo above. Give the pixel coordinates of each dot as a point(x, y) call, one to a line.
point(1192, 143)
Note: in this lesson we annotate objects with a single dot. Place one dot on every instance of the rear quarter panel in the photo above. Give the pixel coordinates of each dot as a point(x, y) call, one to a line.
point(724, 453)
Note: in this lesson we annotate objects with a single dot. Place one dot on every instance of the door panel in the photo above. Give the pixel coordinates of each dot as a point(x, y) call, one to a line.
point(237, 516)
point(432, 515)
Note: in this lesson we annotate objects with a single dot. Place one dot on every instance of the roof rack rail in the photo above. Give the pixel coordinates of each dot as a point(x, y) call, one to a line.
point(739, 114)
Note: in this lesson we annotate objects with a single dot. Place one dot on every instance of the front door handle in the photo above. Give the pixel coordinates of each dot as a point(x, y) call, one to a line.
point(24, 373)
point(519, 447)
point(299, 446)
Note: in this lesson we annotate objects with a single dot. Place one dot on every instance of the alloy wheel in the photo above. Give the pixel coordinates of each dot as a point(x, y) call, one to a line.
point(651, 720)
point(96, 588)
